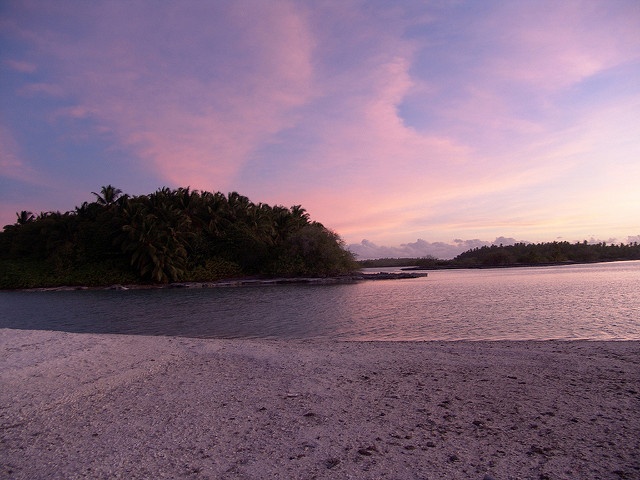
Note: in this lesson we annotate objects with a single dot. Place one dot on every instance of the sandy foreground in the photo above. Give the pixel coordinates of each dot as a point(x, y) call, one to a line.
point(115, 406)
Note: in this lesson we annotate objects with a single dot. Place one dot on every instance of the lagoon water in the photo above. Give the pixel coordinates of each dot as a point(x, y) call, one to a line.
point(594, 302)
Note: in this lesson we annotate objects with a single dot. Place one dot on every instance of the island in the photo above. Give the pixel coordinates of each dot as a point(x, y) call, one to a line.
point(168, 236)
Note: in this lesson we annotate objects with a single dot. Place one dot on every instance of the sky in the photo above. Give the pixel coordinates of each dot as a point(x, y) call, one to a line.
point(410, 128)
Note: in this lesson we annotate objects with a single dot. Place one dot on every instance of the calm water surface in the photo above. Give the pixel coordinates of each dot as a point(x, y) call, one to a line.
point(598, 302)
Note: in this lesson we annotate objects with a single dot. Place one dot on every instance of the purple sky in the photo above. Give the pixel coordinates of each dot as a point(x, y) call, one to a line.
point(410, 128)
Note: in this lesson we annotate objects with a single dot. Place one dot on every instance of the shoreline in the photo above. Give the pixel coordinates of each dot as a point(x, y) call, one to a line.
point(240, 282)
point(119, 406)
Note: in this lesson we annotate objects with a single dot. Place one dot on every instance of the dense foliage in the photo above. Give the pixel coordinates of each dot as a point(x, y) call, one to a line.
point(521, 254)
point(545, 253)
point(166, 236)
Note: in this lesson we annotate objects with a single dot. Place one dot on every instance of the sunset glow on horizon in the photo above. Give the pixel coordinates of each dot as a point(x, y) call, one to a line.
point(410, 128)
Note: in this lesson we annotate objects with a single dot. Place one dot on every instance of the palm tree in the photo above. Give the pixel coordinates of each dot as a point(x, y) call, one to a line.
point(25, 217)
point(155, 237)
point(108, 195)
point(214, 213)
point(300, 215)
point(238, 206)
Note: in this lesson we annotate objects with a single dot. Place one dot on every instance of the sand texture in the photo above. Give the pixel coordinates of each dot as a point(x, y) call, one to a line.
point(109, 406)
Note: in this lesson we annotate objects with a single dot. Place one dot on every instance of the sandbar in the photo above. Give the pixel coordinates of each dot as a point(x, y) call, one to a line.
point(120, 406)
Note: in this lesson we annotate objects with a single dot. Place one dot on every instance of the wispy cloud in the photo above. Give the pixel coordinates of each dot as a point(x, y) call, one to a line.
point(421, 248)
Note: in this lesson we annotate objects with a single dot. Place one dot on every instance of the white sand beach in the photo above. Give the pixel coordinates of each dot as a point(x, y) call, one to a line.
point(116, 406)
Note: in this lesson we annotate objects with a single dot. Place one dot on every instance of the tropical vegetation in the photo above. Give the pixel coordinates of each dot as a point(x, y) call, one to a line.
point(521, 254)
point(170, 235)
point(548, 253)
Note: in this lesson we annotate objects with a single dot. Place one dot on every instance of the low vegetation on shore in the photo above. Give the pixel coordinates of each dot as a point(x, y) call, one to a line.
point(167, 236)
point(521, 254)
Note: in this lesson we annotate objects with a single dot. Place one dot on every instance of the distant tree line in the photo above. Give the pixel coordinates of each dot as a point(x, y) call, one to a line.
point(546, 253)
point(521, 254)
point(167, 236)
point(427, 261)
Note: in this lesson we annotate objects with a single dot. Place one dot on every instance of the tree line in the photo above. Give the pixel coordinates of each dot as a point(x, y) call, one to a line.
point(169, 235)
point(548, 253)
point(521, 254)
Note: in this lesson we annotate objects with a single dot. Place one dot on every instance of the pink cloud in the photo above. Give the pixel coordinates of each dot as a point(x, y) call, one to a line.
point(186, 106)
point(527, 56)
point(554, 45)
point(365, 139)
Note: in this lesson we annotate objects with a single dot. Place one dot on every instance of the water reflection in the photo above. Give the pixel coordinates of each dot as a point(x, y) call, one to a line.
point(571, 302)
